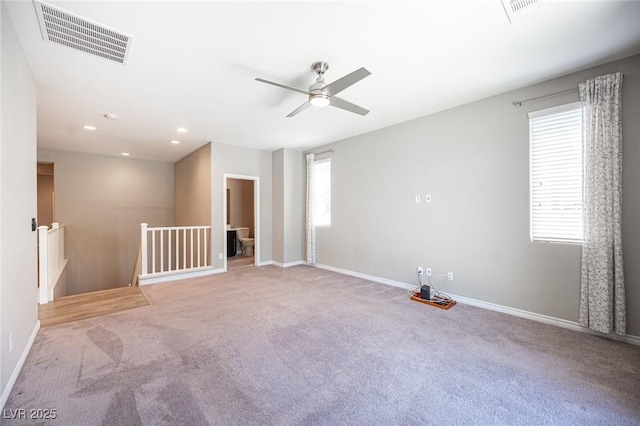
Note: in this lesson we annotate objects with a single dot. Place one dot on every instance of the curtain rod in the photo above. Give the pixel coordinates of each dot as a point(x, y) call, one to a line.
point(319, 153)
point(519, 103)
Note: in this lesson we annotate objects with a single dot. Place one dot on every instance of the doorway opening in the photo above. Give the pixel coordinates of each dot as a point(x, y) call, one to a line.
point(46, 194)
point(241, 220)
point(45, 201)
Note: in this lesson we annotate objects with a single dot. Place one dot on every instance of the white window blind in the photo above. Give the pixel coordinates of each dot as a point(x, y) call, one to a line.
point(322, 193)
point(556, 174)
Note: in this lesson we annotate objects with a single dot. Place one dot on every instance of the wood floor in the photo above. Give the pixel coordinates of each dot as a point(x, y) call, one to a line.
point(240, 261)
point(88, 305)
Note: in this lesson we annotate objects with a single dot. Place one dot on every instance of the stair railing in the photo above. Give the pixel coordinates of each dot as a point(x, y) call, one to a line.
point(170, 250)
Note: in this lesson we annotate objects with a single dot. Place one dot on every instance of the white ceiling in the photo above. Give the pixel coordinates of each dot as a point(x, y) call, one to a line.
point(193, 64)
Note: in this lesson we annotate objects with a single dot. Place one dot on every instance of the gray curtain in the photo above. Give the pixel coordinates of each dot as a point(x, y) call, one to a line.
point(602, 295)
point(311, 229)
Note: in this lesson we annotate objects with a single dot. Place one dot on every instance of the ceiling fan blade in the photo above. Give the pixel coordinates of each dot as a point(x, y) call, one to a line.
point(299, 109)
point(348, 106)
point(282, 85)
point(342, 83)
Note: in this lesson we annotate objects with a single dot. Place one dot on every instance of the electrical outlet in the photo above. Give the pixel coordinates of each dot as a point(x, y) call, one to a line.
point(420, 270)
point(428, 271)
point(417, 199)
point(427, 198)
point(220, 256)
point(10, 342)
point(449, 276)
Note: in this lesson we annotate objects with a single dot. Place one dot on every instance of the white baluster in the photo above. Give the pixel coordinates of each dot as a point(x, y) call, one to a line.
point(206, 258)
point(169, 254)
point(161, 250)
point(153, 251)
point(176, 254)
point(191, 244)
point(199, 229)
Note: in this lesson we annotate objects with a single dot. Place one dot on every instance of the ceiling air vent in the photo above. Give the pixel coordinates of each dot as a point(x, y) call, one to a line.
point(516, 9)
point(68, 29)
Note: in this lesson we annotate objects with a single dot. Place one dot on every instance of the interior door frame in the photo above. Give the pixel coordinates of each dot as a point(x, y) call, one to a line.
point(256, 215)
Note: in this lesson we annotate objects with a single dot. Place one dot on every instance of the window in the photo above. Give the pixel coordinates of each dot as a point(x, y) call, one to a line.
point(556, 174)
point(322, 192)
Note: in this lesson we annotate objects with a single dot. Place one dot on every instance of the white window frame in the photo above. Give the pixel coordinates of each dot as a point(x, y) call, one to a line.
point(322, 194)
point(556, 147)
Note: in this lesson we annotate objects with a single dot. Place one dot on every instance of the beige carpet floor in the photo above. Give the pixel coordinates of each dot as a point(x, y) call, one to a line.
point(304, 346)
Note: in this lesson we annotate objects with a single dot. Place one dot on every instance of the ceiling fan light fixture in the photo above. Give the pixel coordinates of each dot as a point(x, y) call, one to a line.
point(319, 100)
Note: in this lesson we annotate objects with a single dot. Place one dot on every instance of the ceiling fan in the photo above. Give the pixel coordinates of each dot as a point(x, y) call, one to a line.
point(322, 94)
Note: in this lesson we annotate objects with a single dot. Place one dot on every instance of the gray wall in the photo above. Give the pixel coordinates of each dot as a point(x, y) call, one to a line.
point(192, 188)
point(246, 162)
point(293, 199)
point(18, 276)
point(278, 205)
point(287, 199)
point(102, 201)
point(474, 161)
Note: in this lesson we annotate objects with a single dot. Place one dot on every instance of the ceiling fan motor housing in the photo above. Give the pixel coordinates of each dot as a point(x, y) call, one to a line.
point(317, 87)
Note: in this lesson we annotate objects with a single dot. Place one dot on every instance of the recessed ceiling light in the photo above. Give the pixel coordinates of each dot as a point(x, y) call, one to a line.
point(182, 130)
point(110, 116)
point(125, 154)
point(175, 142)
point(88, 127)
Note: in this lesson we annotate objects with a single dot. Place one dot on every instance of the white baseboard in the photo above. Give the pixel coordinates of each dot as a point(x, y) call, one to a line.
point(16, 371)
point(571, 325)
point(288, 264)
point(265, 263)
point(179, 276)
point(365, 276)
